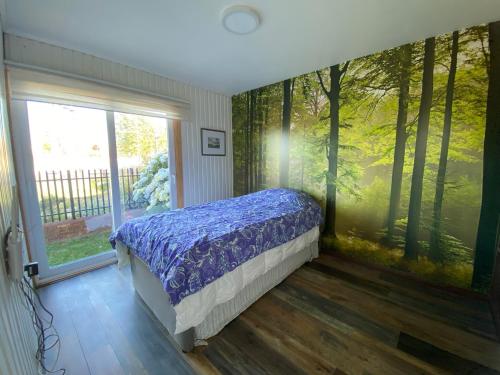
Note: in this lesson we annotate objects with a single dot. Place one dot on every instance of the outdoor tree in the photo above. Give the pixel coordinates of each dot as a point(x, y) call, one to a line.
point(135, 136)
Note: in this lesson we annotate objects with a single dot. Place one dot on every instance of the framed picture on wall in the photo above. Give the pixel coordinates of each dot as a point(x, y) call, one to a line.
point(213, 142)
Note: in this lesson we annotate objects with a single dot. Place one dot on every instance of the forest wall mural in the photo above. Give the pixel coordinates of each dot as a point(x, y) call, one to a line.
point(402, 149)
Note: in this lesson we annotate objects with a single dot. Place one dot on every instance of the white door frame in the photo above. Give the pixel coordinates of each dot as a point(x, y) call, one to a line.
point(116, 207)
point(172, 165)
point(30, 209)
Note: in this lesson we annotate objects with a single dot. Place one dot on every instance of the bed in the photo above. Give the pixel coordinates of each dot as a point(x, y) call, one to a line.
point(199, 267)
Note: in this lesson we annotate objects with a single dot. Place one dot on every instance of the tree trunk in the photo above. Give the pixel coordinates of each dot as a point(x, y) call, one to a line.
point(333, 151)
point(417, 180)
point(258, 119)
point(302, 159)
point(253, 99)
point(285, 132)
point(490, 206)
point(247, 145)
point(436, 253)
point(400, 144)
point(261, 140)
point(264, 146)
point(258, 153)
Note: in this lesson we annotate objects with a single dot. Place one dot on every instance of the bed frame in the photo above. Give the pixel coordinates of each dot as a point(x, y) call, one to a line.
point(151, 291)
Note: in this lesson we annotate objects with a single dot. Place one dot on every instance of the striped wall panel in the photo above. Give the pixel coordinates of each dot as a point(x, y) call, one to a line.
point(206, 178)
point(17, 338)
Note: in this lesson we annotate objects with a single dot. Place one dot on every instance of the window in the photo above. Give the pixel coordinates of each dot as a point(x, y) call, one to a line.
point(100, 156)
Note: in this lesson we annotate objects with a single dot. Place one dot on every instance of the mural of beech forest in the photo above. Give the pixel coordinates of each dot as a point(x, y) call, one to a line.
point(401, 148)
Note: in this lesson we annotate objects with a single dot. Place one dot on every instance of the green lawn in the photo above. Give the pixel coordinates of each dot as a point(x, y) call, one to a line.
point(65, 251)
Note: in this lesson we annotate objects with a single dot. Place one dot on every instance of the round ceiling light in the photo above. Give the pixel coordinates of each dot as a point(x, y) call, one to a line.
point(240, 19)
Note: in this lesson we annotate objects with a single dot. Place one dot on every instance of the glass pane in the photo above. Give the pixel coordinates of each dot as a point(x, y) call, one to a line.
point(144, 177)
point(71, 162)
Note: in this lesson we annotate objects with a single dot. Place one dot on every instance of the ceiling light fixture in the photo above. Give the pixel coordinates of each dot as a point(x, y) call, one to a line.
point(240, 19)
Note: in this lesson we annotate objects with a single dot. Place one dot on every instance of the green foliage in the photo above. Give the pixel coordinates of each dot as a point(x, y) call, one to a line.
point(369, 102)
point(136, 136)
point(454, 250)
point(456, 274)
point(152, 185)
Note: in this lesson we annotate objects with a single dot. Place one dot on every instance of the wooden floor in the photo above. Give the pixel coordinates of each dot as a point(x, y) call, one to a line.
point(329, 317)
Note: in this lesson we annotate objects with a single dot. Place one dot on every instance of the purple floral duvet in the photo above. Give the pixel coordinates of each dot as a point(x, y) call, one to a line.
point(191, 247)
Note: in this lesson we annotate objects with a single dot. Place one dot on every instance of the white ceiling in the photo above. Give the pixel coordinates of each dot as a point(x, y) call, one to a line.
point(185, 39)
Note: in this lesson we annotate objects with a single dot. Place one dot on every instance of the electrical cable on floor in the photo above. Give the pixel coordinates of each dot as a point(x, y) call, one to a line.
point(47, 336)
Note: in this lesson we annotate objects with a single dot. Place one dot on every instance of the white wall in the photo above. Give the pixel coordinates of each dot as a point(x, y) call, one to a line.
point(206, 178)
point(17, 337)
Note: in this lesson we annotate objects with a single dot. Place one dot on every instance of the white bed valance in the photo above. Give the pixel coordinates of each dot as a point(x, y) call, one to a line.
point(35, 85)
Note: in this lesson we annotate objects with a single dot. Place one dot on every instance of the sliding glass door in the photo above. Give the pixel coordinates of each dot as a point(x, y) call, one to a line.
point(143, 167)
point(84, 172)
point(71, 166)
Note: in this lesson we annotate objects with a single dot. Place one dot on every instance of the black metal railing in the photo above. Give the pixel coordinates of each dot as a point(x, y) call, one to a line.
point(73, 194)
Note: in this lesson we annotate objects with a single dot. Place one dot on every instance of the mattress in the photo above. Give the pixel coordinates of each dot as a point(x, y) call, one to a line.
point(191, 248)
point(195, 308)
point(151, 291)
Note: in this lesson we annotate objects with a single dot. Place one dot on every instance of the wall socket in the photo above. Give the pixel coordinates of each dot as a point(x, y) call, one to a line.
point(31, 269)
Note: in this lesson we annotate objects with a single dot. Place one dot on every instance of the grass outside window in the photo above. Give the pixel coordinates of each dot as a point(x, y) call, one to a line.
point(69, 250)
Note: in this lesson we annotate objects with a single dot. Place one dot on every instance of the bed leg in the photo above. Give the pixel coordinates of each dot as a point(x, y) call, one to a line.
point(185, 340)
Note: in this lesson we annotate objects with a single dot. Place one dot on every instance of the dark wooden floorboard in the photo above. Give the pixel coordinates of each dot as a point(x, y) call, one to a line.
point(105, 330)
point(335, 313)
point(329, 317)
point(439, 357)
point(432, 302)
point(248, 353)
point(58, 299)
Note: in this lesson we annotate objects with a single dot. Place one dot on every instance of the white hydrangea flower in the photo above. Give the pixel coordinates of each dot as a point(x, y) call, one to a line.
point(152, 185)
